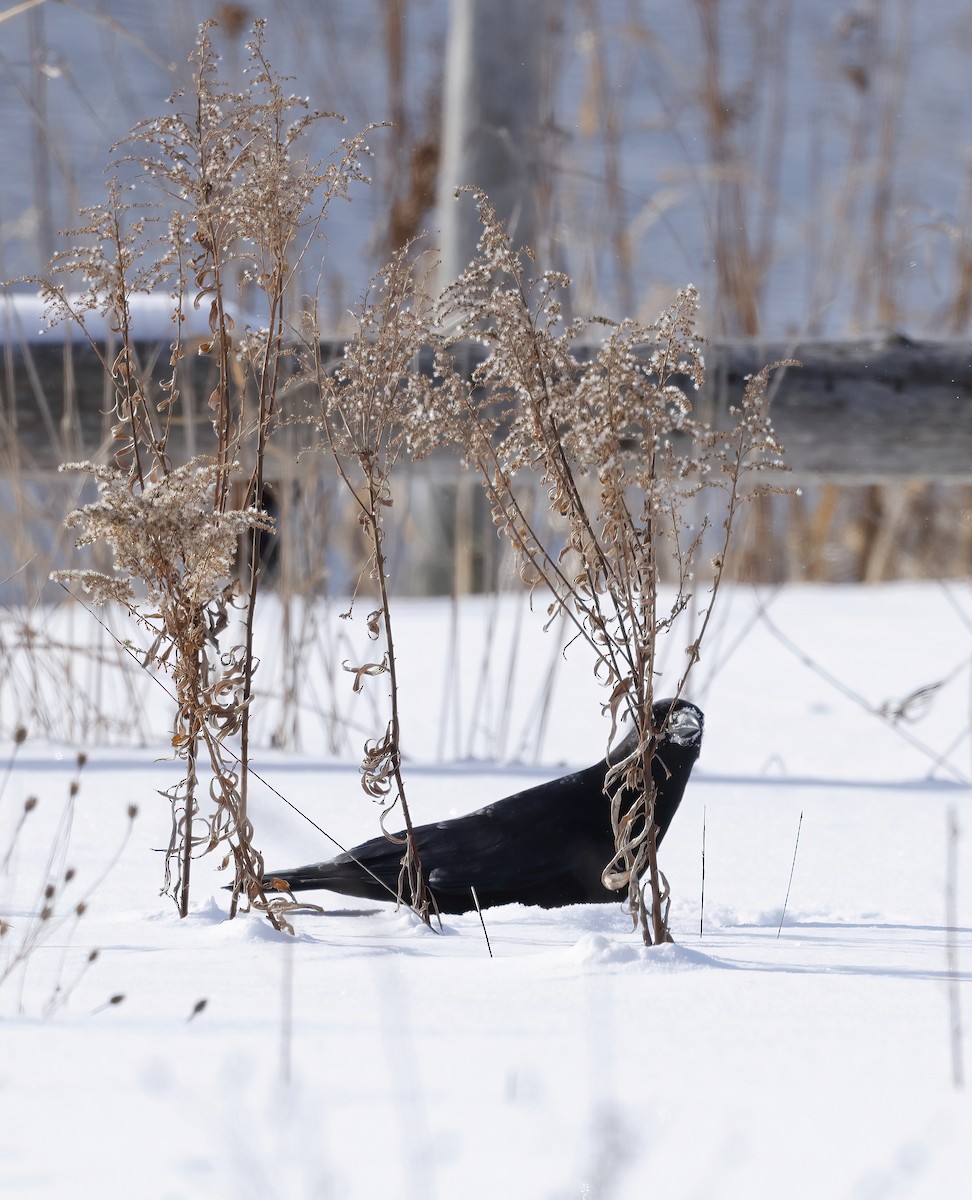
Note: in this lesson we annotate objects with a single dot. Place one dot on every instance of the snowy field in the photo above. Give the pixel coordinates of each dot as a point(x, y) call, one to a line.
point(371, 1057)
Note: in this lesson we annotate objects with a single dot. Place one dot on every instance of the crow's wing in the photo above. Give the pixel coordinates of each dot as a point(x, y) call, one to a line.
point(559, 830)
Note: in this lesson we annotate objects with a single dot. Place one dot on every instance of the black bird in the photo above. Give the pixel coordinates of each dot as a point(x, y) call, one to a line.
point(546, 845)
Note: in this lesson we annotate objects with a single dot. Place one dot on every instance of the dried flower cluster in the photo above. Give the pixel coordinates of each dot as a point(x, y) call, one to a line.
point(620, 453)
point(612, 437)
point(232, 206)
point(621, 456)
point(166, 536)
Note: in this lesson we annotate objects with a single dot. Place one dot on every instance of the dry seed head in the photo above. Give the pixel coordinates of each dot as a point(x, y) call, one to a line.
point(167, 534)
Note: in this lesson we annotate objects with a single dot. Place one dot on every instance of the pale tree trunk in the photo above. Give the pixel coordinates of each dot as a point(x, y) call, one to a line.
point(491, 123)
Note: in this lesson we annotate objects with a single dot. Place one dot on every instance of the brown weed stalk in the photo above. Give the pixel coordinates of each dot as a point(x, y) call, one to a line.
point(234, 207)
point(622, 457)
point(367, 403)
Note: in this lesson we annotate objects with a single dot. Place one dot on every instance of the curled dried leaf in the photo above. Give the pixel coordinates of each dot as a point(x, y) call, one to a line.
point(367, 669)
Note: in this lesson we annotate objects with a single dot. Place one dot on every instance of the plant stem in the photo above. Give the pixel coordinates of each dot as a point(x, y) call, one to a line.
point(411, 863)
point(191, 781)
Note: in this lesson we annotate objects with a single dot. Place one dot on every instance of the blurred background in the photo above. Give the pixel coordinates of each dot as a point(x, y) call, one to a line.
point(807, 166)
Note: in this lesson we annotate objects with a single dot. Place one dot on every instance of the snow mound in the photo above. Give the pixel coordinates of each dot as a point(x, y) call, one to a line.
point(597, 950)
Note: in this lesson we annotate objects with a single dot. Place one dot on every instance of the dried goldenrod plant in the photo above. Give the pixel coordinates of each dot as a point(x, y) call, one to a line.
point(216, 204)
point(613, 439)
point(624, 462)
point(175, 550)
point(368, 401)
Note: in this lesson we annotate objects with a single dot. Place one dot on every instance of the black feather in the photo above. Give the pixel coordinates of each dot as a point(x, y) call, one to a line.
point(547, 845)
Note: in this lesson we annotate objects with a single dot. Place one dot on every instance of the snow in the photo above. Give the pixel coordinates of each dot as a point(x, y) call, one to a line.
point(24, 317)
point(368, 1055)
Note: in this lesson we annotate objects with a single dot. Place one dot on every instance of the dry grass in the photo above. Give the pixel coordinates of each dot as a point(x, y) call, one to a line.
point(60, 894)
point(240, 205)
point(552, 433)
point(366, 407)
point(622, 462)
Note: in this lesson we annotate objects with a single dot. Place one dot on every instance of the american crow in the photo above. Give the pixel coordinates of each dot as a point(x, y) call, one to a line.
point(546, 845)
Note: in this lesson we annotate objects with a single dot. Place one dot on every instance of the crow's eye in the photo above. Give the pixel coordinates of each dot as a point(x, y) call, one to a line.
point(685, 727)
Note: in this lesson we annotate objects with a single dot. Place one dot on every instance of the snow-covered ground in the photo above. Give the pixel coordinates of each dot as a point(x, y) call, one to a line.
point(368, 1056)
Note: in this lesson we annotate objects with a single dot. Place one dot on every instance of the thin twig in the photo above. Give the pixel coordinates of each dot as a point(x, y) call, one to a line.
point(792, 869)
point(250, 769)
point(939, 760)
point(17, 570)
point(951, 948)
point(20, 736)
point(702, 896)
point(481, 921)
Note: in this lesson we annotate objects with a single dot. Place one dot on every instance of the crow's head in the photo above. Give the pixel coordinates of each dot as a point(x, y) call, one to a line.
point(678, 727)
